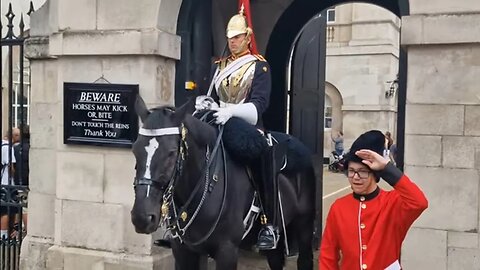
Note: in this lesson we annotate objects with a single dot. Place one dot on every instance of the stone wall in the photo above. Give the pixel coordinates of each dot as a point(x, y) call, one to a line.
point(81, 196)
point(443, 133)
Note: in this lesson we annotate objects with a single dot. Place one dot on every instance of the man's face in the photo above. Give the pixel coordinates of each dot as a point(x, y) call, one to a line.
point(238, 44)
point(362, 180)
point(15, 135)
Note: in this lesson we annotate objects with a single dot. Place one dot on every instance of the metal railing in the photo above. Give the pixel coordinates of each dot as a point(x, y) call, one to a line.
point(15, 141)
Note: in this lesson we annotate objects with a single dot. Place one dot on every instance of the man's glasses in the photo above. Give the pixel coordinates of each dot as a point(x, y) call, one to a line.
point(361, 174)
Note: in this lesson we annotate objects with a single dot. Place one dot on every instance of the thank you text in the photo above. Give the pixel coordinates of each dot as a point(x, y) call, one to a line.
point(100, 114)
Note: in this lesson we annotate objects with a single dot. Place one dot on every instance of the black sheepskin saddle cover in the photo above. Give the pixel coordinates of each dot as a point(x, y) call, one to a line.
point(245, 144)
point(243, 141)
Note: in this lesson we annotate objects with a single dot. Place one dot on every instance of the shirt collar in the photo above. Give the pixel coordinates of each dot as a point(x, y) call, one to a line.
point(367, 197)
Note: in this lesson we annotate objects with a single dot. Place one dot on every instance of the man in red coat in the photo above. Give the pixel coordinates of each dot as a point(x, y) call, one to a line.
point(365, 229)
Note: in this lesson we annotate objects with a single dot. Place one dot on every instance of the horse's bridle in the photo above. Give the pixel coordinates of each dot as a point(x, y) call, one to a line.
point(183, 146)
point(171, 220)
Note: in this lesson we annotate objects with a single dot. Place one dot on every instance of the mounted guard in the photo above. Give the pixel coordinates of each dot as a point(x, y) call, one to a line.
point(242, 84)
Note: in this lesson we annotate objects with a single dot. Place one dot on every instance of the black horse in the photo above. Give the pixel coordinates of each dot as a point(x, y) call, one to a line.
point(205, 208)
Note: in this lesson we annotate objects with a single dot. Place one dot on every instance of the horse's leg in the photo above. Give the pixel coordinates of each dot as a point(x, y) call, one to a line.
point(276, 257)
point(185, 259)
point(304, 226)
point(226, 257)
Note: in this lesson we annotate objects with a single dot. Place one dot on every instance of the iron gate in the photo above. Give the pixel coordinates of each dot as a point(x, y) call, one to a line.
point(14, 99)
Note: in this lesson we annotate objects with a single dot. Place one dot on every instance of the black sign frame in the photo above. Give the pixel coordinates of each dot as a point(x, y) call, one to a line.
point(107, 102)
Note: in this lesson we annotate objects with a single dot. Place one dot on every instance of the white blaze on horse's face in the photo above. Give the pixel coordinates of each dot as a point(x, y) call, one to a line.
point(151, 148)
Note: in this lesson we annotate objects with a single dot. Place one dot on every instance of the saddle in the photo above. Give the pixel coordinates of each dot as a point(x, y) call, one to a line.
point(245, 144)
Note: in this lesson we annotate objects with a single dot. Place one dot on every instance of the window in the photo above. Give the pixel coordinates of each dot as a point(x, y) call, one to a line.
point(328, 112)
point(20, 111)
point(331, 15)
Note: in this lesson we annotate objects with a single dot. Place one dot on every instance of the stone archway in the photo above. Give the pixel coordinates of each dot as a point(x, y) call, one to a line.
point(288, 25)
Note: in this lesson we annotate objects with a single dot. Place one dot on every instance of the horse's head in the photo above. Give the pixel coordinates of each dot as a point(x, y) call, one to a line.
point(159, 150)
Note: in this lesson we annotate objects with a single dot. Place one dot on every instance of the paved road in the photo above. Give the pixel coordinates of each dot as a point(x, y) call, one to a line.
point(335, 185)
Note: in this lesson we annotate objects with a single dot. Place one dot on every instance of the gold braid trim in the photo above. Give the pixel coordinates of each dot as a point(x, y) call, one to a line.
point(260, 57)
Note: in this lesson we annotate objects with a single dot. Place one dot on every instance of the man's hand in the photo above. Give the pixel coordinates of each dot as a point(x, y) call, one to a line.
point(222, 115)
point(205, 103)
point(372, 159)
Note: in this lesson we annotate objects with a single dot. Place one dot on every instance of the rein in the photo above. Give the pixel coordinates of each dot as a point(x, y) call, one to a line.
point(208, 162)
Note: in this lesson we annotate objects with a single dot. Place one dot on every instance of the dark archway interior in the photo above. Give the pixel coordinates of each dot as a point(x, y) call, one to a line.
point(194, 28)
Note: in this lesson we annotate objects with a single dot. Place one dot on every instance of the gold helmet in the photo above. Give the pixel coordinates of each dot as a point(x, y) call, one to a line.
point(238, 25)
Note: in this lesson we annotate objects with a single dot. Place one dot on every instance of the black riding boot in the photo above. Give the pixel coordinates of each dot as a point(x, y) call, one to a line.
point(272, 160)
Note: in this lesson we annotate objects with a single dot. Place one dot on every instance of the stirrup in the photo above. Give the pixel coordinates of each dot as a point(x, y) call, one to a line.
point(268, 238)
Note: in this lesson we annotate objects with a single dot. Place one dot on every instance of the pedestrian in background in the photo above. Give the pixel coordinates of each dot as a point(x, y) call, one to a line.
point(338, 141)
point(22, 171)
point(7, 172)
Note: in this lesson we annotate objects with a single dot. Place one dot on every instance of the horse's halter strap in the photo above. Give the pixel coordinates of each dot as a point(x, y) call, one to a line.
point(159, 131)
point(181, 155)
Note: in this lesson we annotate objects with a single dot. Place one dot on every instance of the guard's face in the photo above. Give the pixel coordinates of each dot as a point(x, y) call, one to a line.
point(238, 44)
point(361, 178)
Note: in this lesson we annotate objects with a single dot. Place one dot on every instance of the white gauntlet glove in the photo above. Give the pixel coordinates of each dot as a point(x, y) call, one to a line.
point(246, 111)
point(205, 103)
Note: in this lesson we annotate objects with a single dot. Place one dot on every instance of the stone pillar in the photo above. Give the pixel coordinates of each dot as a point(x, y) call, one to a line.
point(443, 133)
point(81, 196)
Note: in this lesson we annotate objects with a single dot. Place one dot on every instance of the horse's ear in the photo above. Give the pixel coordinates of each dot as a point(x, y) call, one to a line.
point(141, 108)
point(186, 109)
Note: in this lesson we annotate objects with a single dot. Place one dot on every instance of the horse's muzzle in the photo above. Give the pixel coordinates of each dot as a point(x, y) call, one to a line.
point(145, 223)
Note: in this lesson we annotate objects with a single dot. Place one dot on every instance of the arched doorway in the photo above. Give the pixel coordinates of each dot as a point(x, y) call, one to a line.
point(286, 30)
point(307, 94)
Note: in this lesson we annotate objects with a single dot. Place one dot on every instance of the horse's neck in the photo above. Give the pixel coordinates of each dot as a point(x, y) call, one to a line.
point(192, 171)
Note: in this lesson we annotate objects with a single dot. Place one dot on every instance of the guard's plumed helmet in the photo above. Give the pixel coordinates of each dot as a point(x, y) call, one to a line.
point(238, 25)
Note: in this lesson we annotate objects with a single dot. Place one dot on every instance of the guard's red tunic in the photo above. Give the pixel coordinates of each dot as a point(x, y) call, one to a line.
point(367, 233)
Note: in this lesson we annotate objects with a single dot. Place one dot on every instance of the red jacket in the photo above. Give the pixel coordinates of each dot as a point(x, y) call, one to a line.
point(366, 232)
